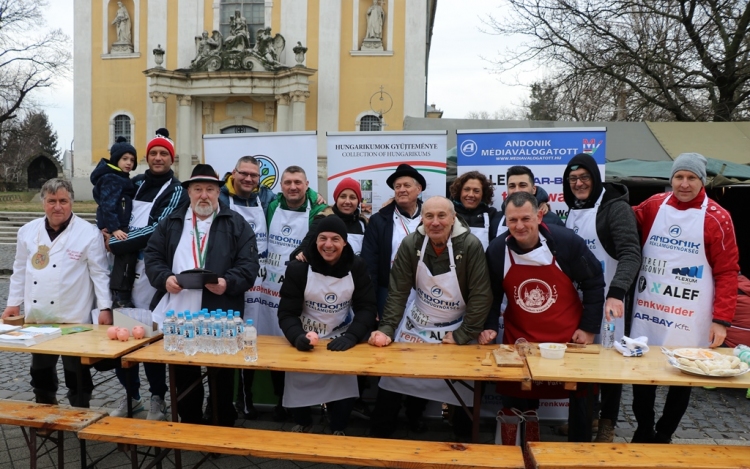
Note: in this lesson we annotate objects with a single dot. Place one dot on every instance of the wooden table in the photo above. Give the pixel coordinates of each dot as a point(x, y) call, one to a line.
point(611, 367)
point(441, 361)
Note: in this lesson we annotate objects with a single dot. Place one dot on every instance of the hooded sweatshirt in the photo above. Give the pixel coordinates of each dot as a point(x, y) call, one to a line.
point(615, 223)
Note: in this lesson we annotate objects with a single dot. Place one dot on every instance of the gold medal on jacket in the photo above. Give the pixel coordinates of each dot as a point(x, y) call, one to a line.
point(40, 260)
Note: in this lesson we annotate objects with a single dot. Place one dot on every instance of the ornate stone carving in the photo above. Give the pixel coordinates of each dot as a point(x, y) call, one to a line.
point(299, 96)
point(299, 53)
point(282, 99)
point(158, 97)
point(234, 52)
point(122, 23)
point(375, 20)
point(184, 100)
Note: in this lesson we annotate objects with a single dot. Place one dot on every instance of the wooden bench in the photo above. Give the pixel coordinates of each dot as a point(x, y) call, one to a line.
point(355, 451)
point(43, 420)
point(547, 455)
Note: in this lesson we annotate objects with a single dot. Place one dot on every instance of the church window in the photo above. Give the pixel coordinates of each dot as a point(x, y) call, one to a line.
point(252, 10)
point(123, 128)
point(370, 123)
point(239, 129)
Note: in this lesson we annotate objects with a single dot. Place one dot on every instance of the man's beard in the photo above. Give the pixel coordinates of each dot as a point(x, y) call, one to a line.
point(203, 210)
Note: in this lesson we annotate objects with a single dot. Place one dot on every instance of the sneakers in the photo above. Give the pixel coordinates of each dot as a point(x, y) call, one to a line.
point(302, 429)
point(339, 433)
point(606, 432)
point(157, 409)
point(122, 408)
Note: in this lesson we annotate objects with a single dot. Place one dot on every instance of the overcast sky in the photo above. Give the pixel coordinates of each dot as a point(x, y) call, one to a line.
point(458, 80)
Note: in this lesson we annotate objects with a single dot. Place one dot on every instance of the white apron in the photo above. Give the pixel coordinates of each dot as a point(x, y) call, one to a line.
point(436, 308)
point(402, 226)
point(184, 259)
point(143, 292)
point(327, 312)
point(257, 219)
point(285, 233)
point(355, 240)
point(583, 223)
point(673, 309)
point(483, 233)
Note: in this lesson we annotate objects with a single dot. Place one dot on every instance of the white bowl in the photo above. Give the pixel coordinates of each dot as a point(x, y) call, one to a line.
point(552, 350)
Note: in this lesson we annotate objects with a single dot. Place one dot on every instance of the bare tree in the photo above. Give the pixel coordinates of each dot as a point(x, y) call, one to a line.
point(687, 60)
point(502, 114)
point(30, 57)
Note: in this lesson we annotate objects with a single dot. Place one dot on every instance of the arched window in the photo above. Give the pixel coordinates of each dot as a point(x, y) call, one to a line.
point(252, 10)
point(239, 129)
point(123, 128)
point(370, 123)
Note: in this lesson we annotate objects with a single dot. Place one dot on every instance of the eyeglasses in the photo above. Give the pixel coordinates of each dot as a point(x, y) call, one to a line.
point(584, 179)
point(247, 175)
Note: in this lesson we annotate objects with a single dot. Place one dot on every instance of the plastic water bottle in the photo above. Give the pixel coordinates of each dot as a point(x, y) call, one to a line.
point(230, 335)
point(223, 341)
point(180, 333)
point(189, 333)
point(250, 342)
point(216, 333)
point(206, 333)
point(169, 328)
point(198, 321)
point(608, 336)
point(239, 330)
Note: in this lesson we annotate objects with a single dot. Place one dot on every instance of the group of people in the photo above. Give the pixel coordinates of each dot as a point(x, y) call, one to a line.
point(445, 270)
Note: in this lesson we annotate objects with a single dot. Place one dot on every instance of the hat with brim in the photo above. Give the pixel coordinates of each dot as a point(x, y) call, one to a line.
point(406, 170)
point(203, 173)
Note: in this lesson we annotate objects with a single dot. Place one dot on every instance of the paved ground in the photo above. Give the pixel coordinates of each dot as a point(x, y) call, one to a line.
point(715, 417)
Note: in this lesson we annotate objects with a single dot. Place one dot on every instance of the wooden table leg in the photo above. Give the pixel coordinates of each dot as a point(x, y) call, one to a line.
point(476, 410)
point(32, 448)
point(60, 449)
point(175, 415)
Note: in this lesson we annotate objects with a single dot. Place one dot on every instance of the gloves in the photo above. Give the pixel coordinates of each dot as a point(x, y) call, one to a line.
point(341, 343)
point(302, 343)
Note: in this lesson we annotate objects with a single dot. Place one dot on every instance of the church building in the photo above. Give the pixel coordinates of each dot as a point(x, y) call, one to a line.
point(235, 66)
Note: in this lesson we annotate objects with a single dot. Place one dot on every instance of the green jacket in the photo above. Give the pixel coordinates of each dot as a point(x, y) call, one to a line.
point(471, 269)
point(280, 201)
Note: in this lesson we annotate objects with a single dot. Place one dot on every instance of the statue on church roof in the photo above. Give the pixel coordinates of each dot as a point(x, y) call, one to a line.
point(239, 35)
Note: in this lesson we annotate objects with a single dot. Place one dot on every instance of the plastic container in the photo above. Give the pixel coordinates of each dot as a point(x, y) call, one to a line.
point(552, 351)
point(250, 342)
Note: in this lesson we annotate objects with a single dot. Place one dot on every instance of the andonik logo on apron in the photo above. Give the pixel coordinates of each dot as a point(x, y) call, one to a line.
point(535, 296)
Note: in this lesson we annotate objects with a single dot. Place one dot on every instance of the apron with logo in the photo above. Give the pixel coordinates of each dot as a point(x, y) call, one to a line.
point(185, 259)
point(483, 232)
point(143, 292)
point(285, 233)
point(543, 306)
point(327, 312)
point(673, 306)
point(583, 223)
point(436, 308)
point(257, 219)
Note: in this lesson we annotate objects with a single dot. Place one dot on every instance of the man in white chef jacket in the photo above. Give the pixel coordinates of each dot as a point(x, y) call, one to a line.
point(686, 293)
point(444, 265)
point(60, 274)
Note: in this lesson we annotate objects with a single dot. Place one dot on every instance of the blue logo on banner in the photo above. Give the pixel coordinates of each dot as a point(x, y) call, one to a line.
point(469, 148)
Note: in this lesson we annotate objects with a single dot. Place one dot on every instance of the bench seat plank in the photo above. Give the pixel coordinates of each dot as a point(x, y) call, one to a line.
point(51, 417)
point(548, 455)
point(303, 446)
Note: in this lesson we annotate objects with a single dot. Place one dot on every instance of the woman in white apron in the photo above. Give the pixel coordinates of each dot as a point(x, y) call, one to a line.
point(333, 297)
point(472, 195)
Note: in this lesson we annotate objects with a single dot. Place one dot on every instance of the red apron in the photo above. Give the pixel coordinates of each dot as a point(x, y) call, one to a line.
point(543, 306)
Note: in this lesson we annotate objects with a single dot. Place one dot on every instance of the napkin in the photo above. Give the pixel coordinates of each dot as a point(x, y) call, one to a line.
point(632, 347)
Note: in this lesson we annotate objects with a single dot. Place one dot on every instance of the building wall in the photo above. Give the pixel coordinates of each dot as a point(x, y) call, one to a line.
point(340, 91)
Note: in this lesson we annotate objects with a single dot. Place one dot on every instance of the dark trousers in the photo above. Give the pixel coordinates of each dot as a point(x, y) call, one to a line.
point(338, 413)
point(156, 375)
point(644, 397)
point(579, 424)
point(45, 382)
point(123, 271)
point(190, 408)
point(610, 401)
point(277, 380)
point(387, 406)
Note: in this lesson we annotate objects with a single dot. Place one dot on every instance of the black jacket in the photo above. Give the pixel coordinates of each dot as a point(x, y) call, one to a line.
point(231, 253)
point(113, 193)
point(475, 218)
point(293, 292)
point(355, 224)
point(616, 226)
point(376, 245)
point(575, 260)
point(173, 197)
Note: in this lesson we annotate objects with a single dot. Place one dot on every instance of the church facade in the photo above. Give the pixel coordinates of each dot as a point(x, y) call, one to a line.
point(234, 66)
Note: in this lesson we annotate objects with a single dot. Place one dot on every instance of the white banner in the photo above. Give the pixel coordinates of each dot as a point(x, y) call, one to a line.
point(276, 151)
point(370, 157)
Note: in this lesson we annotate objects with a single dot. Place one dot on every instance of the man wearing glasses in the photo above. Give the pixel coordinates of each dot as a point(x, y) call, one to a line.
point(600, 213)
